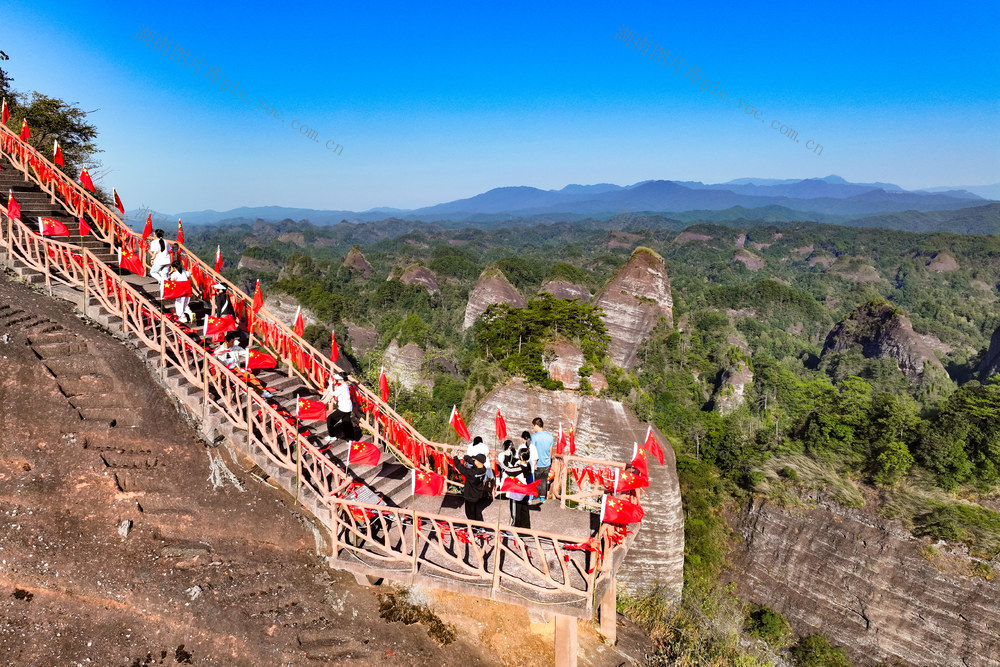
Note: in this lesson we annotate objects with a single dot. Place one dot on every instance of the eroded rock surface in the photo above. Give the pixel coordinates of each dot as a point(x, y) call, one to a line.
point(562, 361)
point(563, 289)
point(422, 276)
point(404, 365)
point(605, 429)
point(355, 261)
point(633, 302)
point(492, 287)
point(990, 364)
point(864, 582)
point(732, 389)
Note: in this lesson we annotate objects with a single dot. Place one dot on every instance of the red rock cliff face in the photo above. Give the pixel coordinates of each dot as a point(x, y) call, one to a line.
point(605, 429)
point(862, 581)
point(404, 365)
point(492, 287)
point(633, 301)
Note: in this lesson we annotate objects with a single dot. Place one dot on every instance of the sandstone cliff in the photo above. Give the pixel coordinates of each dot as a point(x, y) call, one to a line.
point(864, 582)
point(633, 301)
point(355, 261)
point(253, 264)
point(284, 307)
point(605, 429)
point(990, 364)
point(492, 287)
point(884, 332)
point(403, 365)
point(732, 388)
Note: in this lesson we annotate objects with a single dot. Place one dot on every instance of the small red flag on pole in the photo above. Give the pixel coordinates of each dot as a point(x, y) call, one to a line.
point(118, 202)
point(363, 453)
point(57, 155)
point(147, 231)
point(427, 483)
point(334, 352)
point(258, 299)
point(307, 409)
point(5, 114)
point(180, 231)
point(619, 510)
point(218, 259)
point(85, 180)
point(383, 386)
point(652, 446)
point(456, 423)
point(52, 227)
point(84, 227)
point(511, 485)
point(13, 208)
point(300, 324)
point(501, 426)
point(25, 130)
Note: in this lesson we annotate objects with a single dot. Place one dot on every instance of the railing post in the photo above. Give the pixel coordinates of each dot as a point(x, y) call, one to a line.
point(163, 343)
point(204, 388)
point(86, 282)
point(566, 643)
point(48, 278)
point(608, 612)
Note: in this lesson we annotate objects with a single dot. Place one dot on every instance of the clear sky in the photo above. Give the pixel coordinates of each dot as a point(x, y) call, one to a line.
point(443, 100)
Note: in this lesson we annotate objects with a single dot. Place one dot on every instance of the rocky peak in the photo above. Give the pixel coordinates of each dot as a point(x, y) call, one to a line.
point(563, 289)
point(884, 332)
point(416, 274)
point(404, 365)
point(991, 362)
point(284, 308)
point(492, 287)
point(633, 301)
point(355, 261)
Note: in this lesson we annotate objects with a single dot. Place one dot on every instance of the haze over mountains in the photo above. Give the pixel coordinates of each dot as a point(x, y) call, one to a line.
point(829, 199)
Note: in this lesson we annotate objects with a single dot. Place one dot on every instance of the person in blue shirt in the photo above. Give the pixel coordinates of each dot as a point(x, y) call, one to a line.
point(543, 442)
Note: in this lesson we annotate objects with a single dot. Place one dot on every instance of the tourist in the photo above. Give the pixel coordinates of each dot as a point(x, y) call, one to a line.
point(515, 463)
point(231, 353)
point(543, 442)
point(160, 251)
point(221, 304)
point(182, 304)
point(474, 491)
point(338, 418)
point(526, 446)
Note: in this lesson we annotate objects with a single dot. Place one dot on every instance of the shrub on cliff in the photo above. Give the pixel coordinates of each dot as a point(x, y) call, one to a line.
point(817, 651)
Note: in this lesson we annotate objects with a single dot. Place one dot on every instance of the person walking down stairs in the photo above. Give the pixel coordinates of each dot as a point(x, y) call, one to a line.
point(160, 251)
point(182, 304)
point(338, 419)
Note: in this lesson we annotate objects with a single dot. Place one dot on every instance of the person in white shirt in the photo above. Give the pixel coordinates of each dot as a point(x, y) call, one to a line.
point(182, 304)
point(338, 419)
point(160, 251)
point(230, 352)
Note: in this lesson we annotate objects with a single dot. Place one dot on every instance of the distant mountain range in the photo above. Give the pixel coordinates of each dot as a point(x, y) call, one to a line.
point(830, 199)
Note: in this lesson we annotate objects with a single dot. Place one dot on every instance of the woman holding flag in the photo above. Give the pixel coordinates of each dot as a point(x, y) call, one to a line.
point(182, 304)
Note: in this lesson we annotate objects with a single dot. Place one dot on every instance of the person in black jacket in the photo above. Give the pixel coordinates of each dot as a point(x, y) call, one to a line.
point(475, 489)
point(514, 463)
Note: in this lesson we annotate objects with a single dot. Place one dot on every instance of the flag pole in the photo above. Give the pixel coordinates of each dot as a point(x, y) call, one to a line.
point(298, 455)
point(416, 530)
point(496, 551)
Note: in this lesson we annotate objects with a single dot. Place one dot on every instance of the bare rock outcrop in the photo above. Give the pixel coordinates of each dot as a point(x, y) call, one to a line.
point(363, 339)
point(733, 387)
point(284, 308)
point(563, 289)
point(633, 301)
point(942, 262)
point(492, 287)
point(404, 365)
point(355, 261)
point(606, 429)
point(748, 259)
point(254, 264)
point(990, 364)
point(422, 276)
point(562, 360)
point(882, 331)
point(867, 584)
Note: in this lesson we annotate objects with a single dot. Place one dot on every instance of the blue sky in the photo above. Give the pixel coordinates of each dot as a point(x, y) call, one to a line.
point(438, 101)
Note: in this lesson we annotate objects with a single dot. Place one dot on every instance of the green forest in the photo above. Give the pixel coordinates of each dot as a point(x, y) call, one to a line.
point(925, 449)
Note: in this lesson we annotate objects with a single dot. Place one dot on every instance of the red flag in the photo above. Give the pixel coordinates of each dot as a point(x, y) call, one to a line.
point(572, 439)
point(85, 180)
point(456, 423)
point(626, 480)
point(118, 202)
point(174, 289)
point(300, 324)
point(561, 444)
point(25, 131)
point(306, 409)
point(5, 114)
point(640, 460)
point(84, 227)
point(652, 446)
point(219, 325)
point(511, 485)
point(57, 155)
point(258, 299)
point(147, 231)
point(383, 386)
point(130, 261)
point(363, 453)
point(180, 231)
point(620, 510)
point(334, 352)
point(501, 426)
point(427, 483)
point(218, 259)
point(13, 208)
point(52, 227)
point(257, 359)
